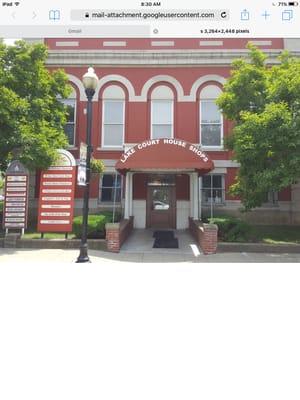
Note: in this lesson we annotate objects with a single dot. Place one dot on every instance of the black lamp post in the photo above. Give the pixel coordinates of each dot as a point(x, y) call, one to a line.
point(90, 82)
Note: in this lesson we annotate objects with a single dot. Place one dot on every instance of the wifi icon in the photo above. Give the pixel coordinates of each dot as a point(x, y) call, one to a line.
point(17, 3)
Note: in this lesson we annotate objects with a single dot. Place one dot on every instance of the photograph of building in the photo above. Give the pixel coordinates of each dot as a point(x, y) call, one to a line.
point(158, 130)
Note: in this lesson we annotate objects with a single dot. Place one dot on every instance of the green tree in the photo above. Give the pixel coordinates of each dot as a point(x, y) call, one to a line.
point(32, 118)
point(264, 103)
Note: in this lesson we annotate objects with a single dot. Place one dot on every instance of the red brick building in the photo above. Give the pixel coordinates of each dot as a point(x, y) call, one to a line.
point(150, 90)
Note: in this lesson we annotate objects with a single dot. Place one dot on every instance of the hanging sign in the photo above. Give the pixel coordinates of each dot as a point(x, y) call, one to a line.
point(81, 173)
point(15, 211)
point(56, 198)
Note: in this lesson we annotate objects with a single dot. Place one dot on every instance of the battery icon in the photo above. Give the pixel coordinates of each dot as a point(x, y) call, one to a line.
point(293, 3)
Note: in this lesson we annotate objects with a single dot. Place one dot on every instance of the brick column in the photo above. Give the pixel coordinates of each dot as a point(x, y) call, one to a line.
point(206, 235)
point(117, 233)
point(113, 237)
point(209, 238)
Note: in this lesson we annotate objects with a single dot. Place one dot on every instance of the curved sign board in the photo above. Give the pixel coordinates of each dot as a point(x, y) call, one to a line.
point(165, 154)
point(56, 197)
point(15, 211)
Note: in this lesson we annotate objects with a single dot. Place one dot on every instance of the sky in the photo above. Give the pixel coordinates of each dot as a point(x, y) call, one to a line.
point(9, 41)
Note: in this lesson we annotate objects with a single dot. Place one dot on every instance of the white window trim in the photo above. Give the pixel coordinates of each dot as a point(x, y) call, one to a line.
point(112, 147)
point(223, 194)
point(151, 117)
point(221, 147)
point(64, 101)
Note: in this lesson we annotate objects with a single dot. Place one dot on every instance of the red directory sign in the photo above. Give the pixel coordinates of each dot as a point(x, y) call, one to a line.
point(56, 199)
point(15, 212)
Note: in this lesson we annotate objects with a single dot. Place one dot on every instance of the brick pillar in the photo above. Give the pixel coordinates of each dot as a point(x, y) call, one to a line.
point(117, 233)
point(113, 237)
point(209, 238)
point(206, 235)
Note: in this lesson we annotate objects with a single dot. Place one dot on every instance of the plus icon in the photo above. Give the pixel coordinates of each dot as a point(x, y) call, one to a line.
point(265, 15)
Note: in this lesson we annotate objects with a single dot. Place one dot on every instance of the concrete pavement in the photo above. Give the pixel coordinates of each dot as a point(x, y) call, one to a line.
point(34, 256)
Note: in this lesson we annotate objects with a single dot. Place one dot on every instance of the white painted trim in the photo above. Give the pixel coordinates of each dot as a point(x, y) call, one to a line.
point(151, 118)
point(139, 212)
point(69, 156)
point(226, 164)
point(114, 44)
point(130, 194)
point(78, 83)
point(191, 194)
point(117, 78)
point(65, 102)
point(67, 44)
point(127, 194)
point(195, 212)
point(181, 97)
point(169, 43)
point(182, 214)
point(117, 147)
point(161, 79)
point(211, 43)
point(261, 42)
point(200, 197)
point(219, 171)
point(206, 78)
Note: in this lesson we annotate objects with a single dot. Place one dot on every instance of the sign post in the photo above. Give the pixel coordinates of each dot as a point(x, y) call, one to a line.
point(15, 213)
point(56, 199)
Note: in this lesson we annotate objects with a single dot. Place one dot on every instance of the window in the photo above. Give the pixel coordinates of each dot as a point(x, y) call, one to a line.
point(271, 198)
point(111, 188)
point(69, 128)
point(213, 189)
point(211, 120)
point(162, 112)
point(113, 117)
point(162, 119)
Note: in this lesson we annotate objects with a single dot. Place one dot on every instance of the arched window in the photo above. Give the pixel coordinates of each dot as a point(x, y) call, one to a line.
point(211, 119)
point(70, 127)
point(162, 112)
point(113, 117)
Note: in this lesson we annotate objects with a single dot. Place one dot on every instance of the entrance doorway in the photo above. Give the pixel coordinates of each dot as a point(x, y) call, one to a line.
point(161, 207)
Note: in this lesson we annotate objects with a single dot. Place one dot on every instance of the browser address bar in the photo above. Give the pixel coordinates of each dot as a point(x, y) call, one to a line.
point(130, 15)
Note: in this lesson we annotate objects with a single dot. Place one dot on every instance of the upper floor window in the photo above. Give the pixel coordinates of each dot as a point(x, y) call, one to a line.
point(211, 119)
point(162, 114)
point(113, 117)
point(69, 128)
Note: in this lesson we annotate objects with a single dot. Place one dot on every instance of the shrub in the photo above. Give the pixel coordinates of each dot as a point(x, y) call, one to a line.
point(97, 166)
point(232, 229)
point(95, 228)
point(1, 206)
point(96, 224)
point(109, 216)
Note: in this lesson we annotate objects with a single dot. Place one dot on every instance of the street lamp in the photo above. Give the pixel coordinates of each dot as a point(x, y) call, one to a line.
point(90, 82)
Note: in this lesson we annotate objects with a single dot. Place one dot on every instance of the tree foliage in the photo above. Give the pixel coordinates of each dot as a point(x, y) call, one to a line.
point(264, 103)
point(32, 117)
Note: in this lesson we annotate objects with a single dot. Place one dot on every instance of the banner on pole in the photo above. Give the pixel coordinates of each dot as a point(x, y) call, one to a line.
point(81, 174)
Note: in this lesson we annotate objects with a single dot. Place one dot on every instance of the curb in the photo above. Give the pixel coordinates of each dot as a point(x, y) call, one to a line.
point(93, 244)
point(257, 248)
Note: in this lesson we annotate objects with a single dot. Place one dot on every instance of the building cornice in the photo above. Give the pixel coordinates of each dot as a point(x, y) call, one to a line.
point(153, 58)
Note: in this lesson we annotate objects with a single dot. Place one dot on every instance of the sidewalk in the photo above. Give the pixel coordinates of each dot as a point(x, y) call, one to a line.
point(34, 256)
